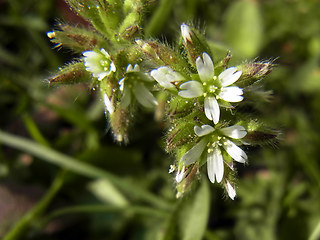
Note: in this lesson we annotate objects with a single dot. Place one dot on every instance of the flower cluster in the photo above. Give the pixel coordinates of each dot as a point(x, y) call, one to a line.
point(98, 63)
point(198, 92)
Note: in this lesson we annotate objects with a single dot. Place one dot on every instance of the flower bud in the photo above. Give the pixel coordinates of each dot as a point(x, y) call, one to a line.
point(162, 55)
point(194, 43)
point(72, 73)
point(120, 121)
point(254, 71)
point(186, 33)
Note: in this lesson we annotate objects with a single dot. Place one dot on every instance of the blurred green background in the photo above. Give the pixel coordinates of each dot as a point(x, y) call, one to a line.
point(278, 191)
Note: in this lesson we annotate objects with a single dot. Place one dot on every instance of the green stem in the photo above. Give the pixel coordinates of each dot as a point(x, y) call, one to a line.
point(159, 18)
point(103, 208)
point(22, 225)
point(85, 169)
point(34, 130)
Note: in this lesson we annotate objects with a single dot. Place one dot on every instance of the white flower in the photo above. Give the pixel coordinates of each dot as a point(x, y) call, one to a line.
point(135, 85)
point(98, 63)
point(166, 77)
point(216, 141)
point(212, 88)
point(186, 32)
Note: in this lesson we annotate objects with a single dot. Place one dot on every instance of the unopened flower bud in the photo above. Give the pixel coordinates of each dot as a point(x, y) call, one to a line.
point(194, 42)
point(162, 55)
point(186, 32)
point(254, 71)
point(74, 72)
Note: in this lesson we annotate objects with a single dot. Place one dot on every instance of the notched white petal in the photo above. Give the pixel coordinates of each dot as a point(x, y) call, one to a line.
point(194, 153)
point(229, 76)
point(235, 131)
point(191, 89)
point(215, 166)
point(205, 67)
point(231, 94)
point(235, 152)
point(203, 130)
point(211, 109)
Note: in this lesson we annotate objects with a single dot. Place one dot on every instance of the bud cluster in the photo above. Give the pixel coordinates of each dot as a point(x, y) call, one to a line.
point(203, 97)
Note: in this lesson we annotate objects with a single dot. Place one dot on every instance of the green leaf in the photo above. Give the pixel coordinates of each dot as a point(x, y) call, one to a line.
point(104, 190)
point(64, 161)
point(194, 213)
point(244, 28)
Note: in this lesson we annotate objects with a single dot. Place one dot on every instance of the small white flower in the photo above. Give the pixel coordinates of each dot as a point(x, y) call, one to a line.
point(212, 88)
point(216, 141)
point(166, 77)
point(98, 63)
point(136, 87)
point(186, 32)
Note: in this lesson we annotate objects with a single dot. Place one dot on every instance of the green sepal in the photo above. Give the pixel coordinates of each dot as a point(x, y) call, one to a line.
point(131, 20)
point(76, 38)
point(189, 181)
point(71, 73)
point(196, 47)
point(120, 123)
point(110, 15)
point(130, 33)
point(89, 11)
point(180, 135)
point(179, 107)
point(163, 55)
point(259, 133)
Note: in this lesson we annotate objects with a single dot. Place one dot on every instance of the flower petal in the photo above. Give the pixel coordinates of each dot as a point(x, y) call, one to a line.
point(235, 131)
point(211, 109)
point(235, 152)
point(105, 53)
point(126, 98)
point(108, 104)
point(191, 89)
point(194, 153)
point(229, 76)
point(165, 76)
point(205, 67)
point(186, 32)
point(181, 174)
point(144, 96)
point(231, 94)
point(203, 130)
point(230, 190)
point(215, 166)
